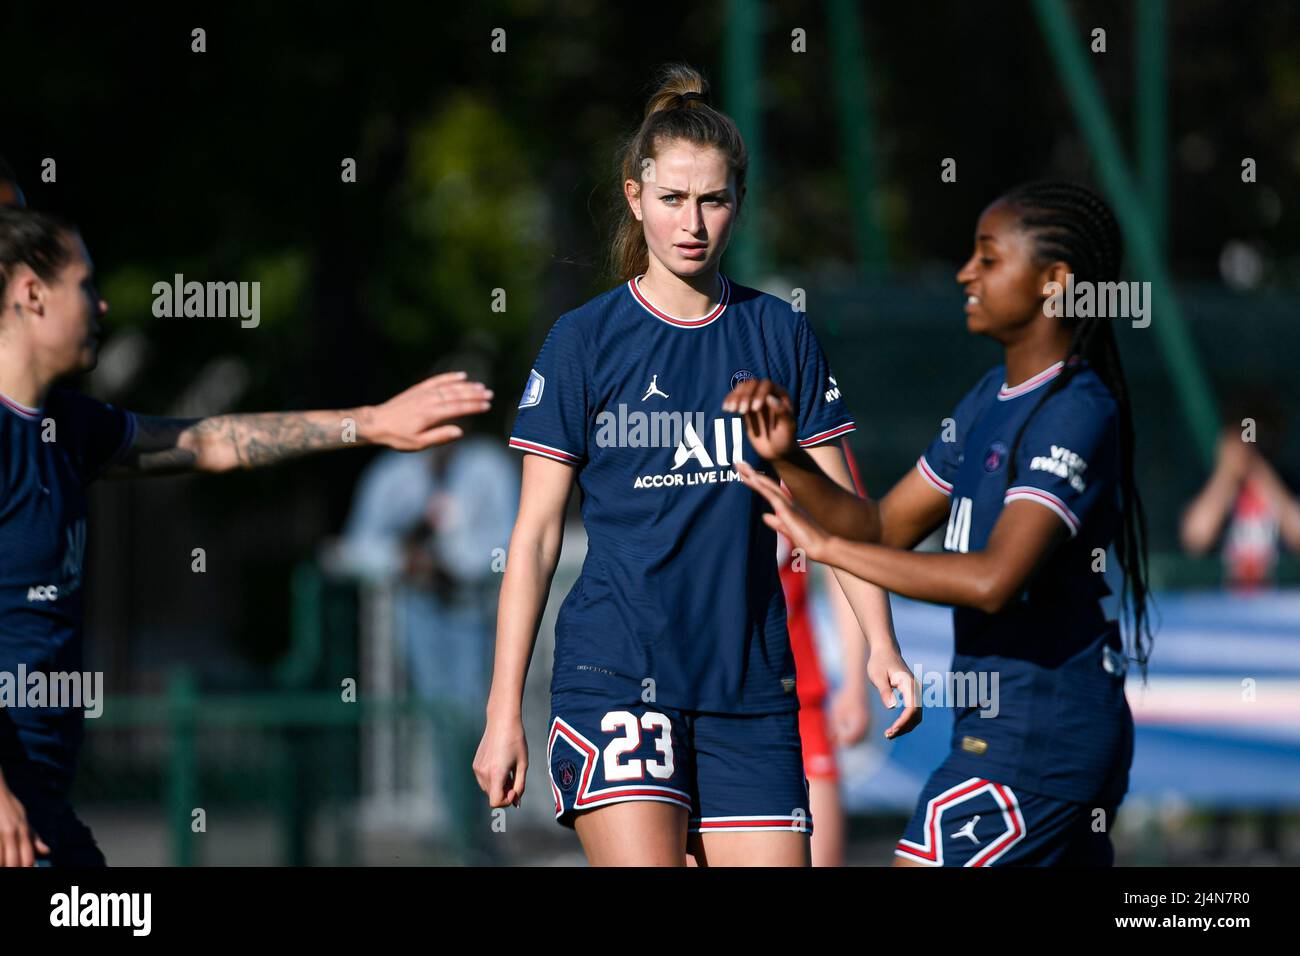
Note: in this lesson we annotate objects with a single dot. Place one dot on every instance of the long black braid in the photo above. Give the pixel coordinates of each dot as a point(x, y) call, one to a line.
point(1072, 224)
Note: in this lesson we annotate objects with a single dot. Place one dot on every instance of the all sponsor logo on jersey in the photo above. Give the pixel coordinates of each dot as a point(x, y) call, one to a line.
point(833, 392)
point(709, 457)
point(1062, 463)
point(957, 536)
point(74, 554)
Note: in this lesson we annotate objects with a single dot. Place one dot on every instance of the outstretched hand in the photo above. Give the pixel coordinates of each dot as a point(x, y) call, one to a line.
point(787, 518)
point(768, 415)
point(418, 417)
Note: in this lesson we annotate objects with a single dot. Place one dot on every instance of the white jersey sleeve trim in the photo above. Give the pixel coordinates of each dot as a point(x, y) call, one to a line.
point(548, 451)
point(825, 436)
point(932, 476)
point(1048, 500)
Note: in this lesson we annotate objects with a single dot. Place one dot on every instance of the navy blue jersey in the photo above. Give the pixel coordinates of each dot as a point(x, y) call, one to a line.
point(47, 458)
point(680, 583)
point(1062, 726)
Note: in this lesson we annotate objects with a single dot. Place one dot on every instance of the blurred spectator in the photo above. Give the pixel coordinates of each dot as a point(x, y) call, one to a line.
point(1245, 504)
point(432, 522)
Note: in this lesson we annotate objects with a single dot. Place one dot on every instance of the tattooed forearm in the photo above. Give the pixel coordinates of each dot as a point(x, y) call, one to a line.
point(420, 417)
point(270, 437)
point(225, 442)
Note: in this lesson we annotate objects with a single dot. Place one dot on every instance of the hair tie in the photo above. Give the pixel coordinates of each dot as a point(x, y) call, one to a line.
point(692, 95)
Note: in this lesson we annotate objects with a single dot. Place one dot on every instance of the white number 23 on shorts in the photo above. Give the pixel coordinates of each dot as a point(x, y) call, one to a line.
point(626, 723)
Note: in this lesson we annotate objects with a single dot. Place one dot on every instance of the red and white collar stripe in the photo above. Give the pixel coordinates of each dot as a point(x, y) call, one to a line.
point(674, 320)
point(19, 409)
point(1034, 381)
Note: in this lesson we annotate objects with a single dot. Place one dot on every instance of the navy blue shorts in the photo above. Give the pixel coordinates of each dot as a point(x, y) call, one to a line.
point(962, 820)
point(732, 772)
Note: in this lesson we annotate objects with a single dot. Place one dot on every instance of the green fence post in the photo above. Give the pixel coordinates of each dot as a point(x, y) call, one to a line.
point(857, 127)
point(1192, 387)
point(298, 666)
point(183, 705)
point(290, 786)
point(742, 64)
point(1152, 126)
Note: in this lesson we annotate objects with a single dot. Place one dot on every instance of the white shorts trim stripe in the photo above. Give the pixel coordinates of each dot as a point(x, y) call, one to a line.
point(752, 824)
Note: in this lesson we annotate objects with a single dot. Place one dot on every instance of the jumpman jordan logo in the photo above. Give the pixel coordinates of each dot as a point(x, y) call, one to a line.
point(653, 389)
point(968, 830)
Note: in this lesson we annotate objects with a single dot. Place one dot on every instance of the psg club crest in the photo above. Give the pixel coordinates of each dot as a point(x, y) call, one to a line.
point(994, 457)
point(566, 774)
point(533, 390)
point(744, 375)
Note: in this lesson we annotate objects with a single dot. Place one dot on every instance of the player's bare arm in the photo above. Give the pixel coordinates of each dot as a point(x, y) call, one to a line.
point(910, 511)
point(870, 604)
point(412, 420)
point(770, 423)
point(901, 519)
point(501, 763)
point(1023, 537)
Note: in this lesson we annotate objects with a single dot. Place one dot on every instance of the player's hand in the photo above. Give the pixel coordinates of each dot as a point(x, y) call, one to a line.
point(887, 673)
point(417, 418)
point(502, 761)
point(18, 844)
point(787, 518)
point(850, 716)
point(768, 415)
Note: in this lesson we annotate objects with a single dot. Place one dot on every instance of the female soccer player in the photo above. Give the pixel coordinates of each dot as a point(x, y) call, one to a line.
point(673, 696)
point(1035, 473)
point(53, 443)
